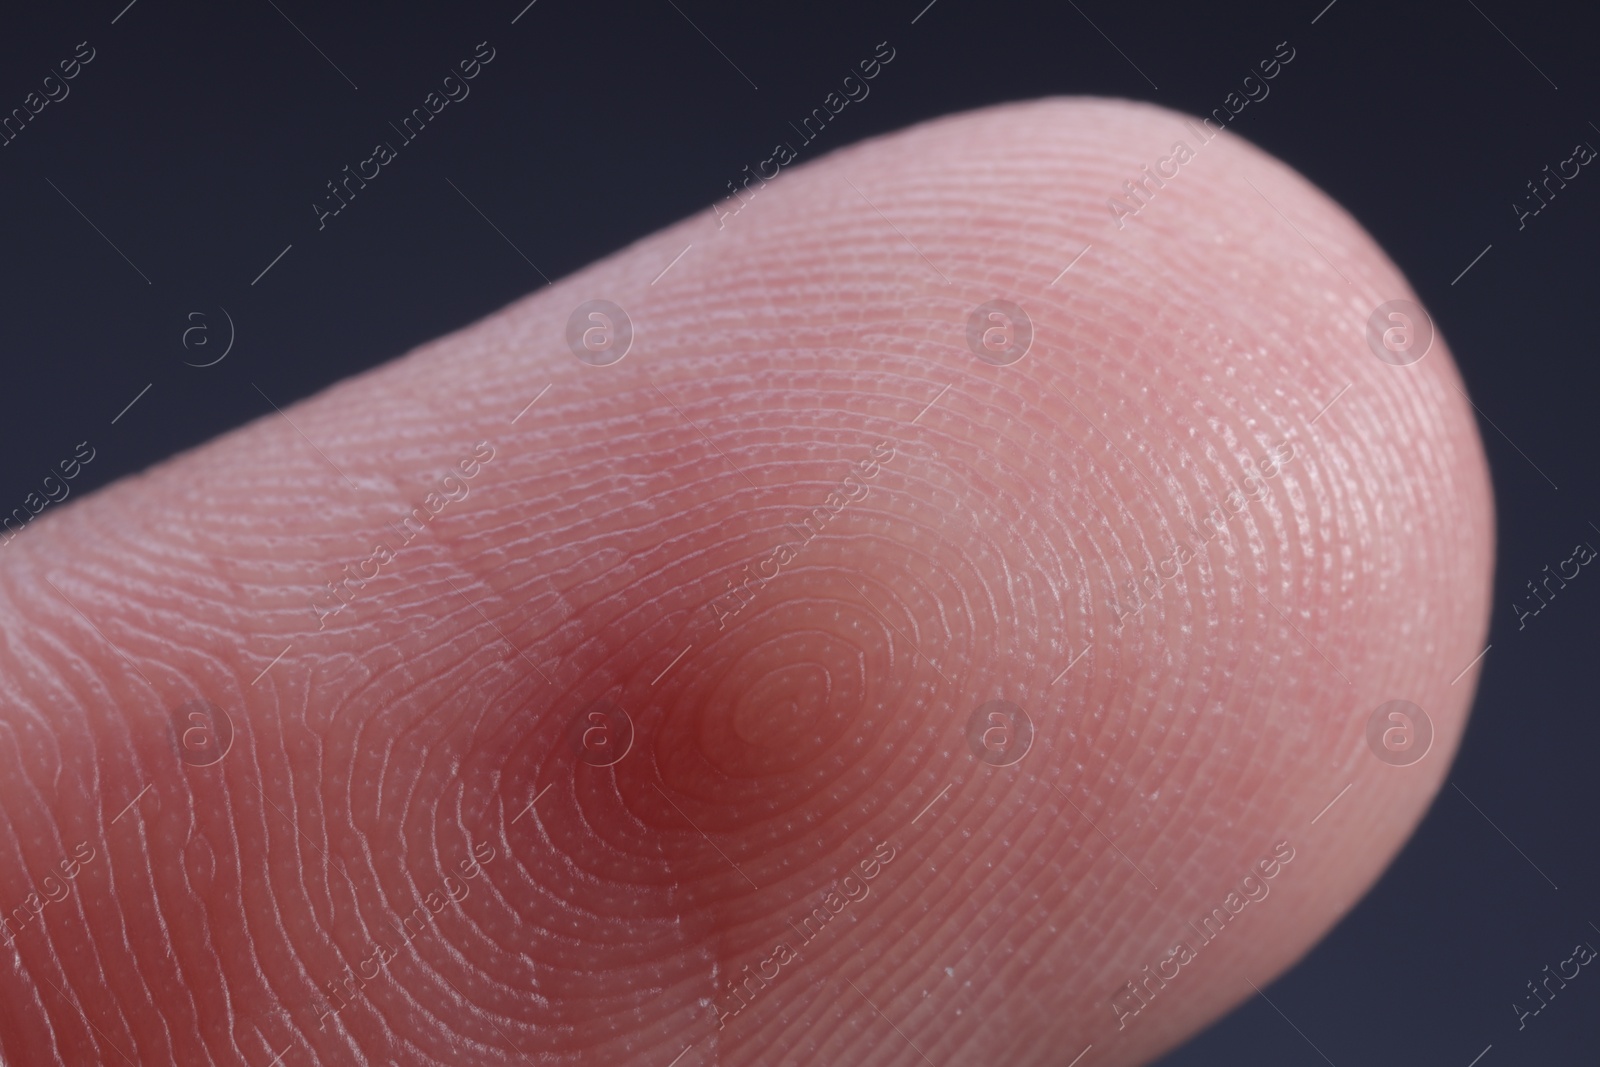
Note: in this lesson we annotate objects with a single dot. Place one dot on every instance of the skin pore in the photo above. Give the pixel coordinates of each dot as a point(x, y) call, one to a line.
point(305, 888)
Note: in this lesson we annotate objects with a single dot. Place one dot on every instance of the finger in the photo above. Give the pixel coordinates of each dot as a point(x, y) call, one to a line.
point(826, 680)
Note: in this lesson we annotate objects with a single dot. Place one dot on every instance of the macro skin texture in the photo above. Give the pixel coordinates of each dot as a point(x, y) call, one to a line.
point(546, 775)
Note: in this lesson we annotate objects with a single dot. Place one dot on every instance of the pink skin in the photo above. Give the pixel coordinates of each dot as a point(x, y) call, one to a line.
point(823, 726)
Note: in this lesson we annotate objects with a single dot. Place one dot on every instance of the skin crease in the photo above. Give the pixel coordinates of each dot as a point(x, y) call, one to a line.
point(384, 755)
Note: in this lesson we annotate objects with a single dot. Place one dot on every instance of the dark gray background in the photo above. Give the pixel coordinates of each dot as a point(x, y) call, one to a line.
point(199, 136)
